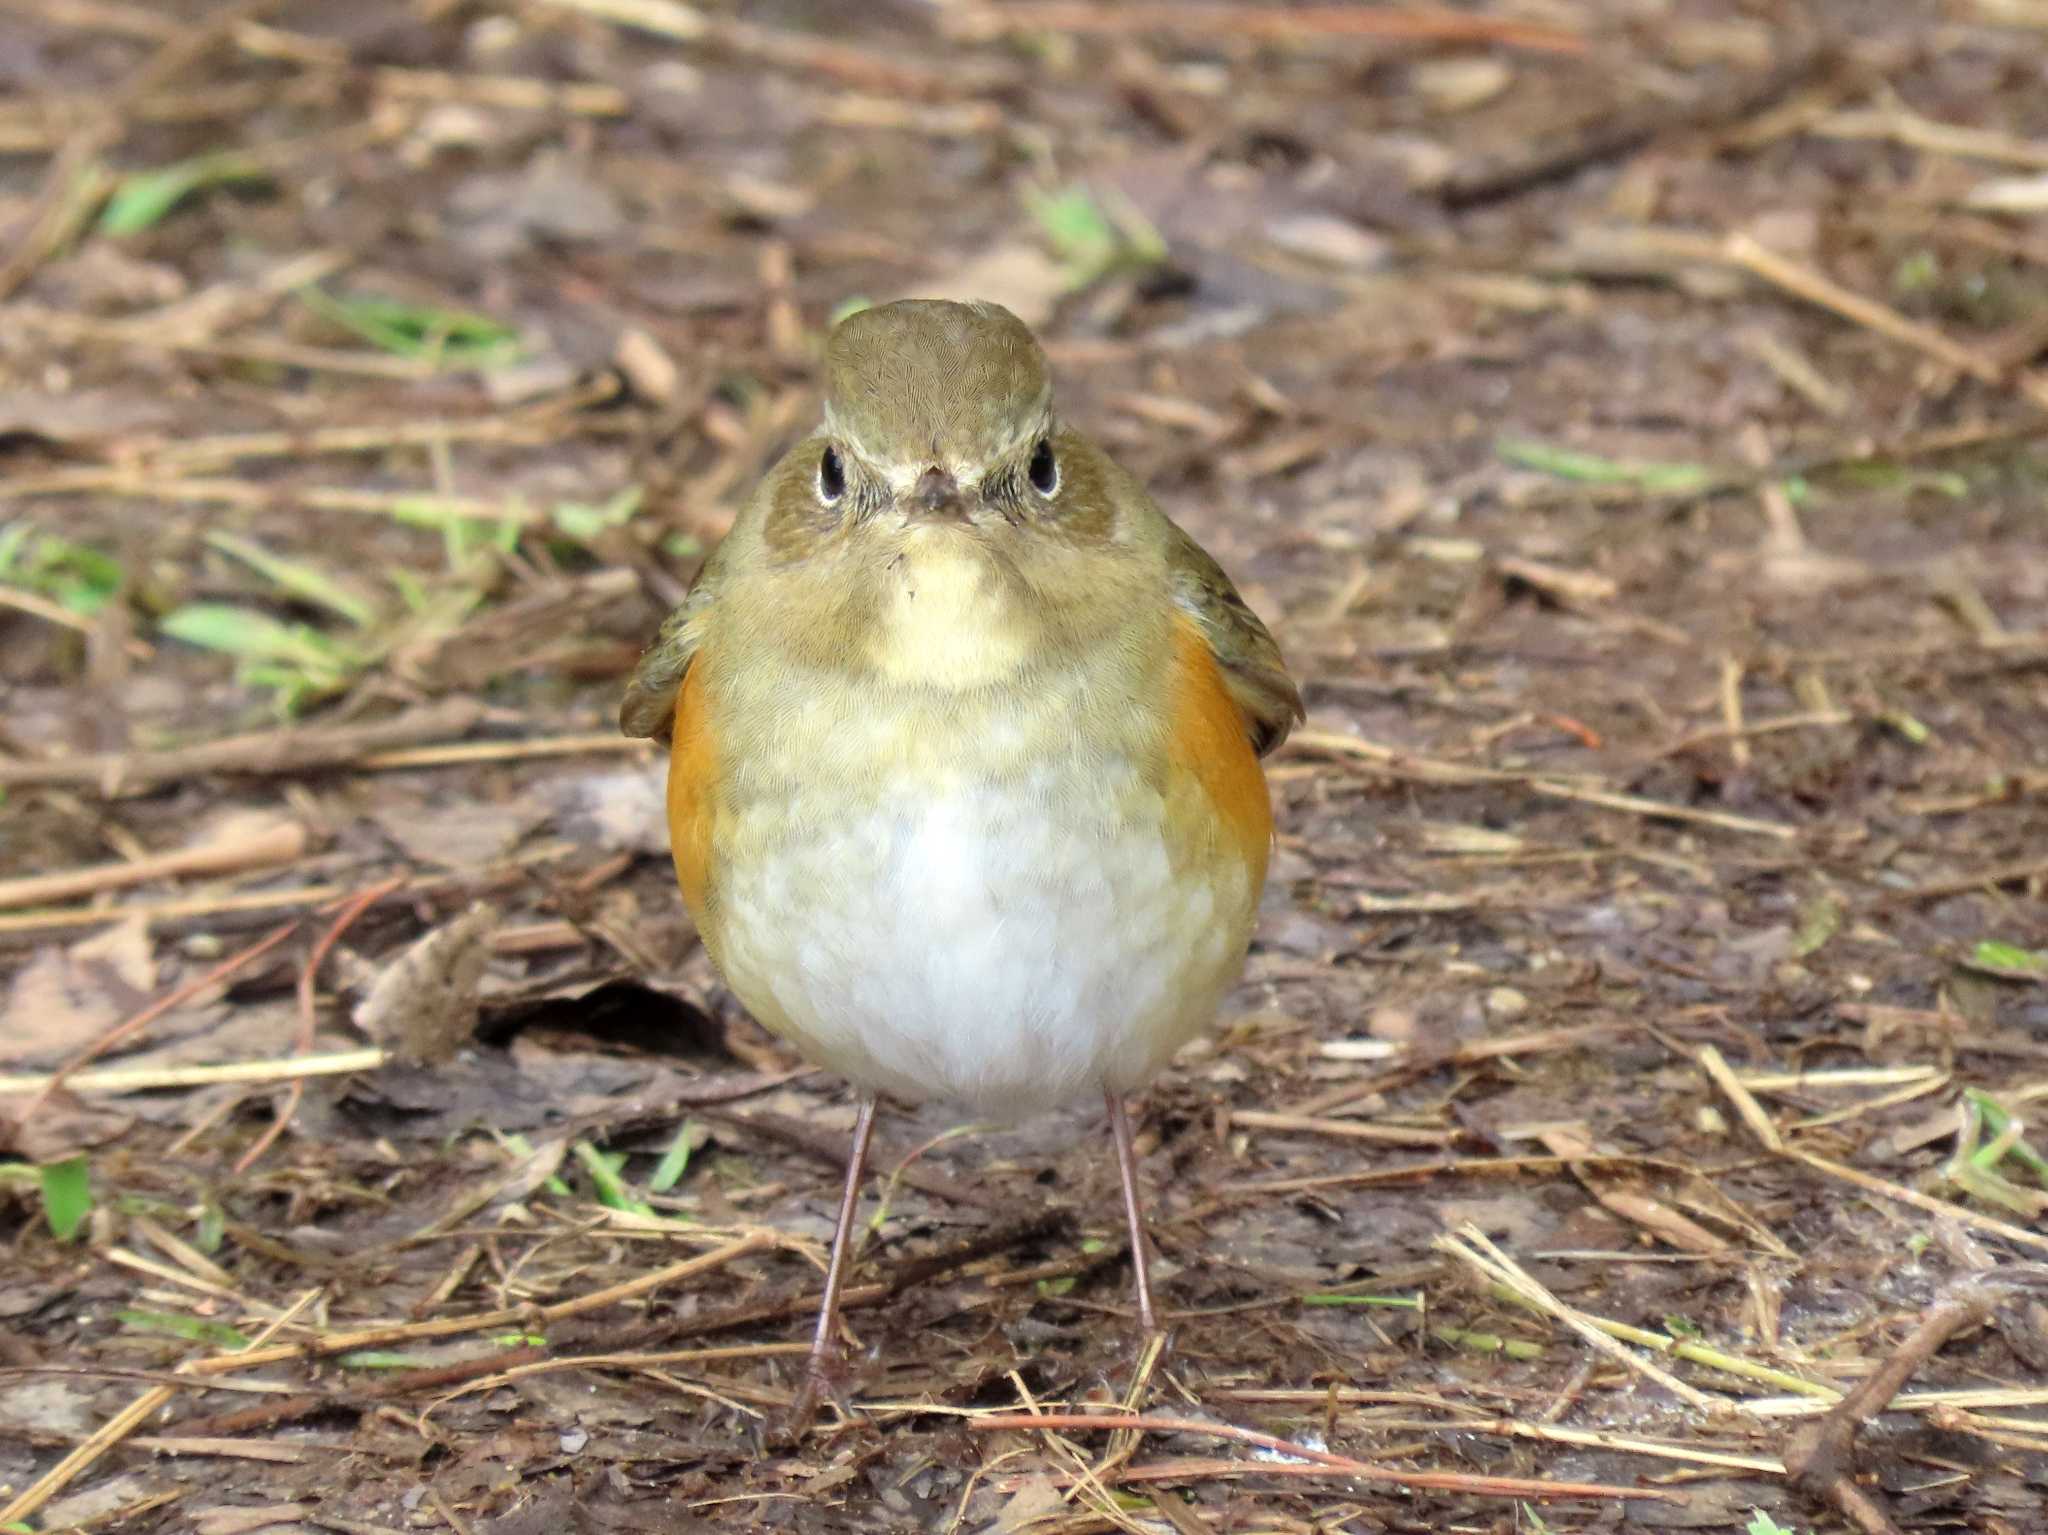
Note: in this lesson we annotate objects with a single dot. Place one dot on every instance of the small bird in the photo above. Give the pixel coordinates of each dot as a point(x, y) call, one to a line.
point(964, 788)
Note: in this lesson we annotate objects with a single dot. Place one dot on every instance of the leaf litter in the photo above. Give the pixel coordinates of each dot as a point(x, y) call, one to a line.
point(1643, 477)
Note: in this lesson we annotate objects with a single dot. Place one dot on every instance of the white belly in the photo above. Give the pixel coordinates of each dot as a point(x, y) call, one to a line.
point(986, 945)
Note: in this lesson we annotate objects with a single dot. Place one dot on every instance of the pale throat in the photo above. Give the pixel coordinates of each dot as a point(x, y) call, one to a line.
point(946, 620)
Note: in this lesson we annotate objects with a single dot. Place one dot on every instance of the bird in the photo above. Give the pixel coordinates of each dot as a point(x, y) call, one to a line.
point(964, 735)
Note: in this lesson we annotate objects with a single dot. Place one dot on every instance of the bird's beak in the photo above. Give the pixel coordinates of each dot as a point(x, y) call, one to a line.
point(935, 497)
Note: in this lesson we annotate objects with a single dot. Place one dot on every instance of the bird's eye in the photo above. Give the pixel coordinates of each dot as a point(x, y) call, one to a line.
point(831, 477)
point(1044, 470)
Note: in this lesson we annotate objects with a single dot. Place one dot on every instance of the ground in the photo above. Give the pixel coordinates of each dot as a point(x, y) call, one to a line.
point(1628, 416)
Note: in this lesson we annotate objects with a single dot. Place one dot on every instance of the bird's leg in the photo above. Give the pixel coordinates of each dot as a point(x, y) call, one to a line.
point(1127, 1164)
point(825, 1342)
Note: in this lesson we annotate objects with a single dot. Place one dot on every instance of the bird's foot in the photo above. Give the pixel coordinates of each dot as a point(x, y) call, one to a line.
point(826, 1378)
point(1149, 1347)
point(1123, 1371)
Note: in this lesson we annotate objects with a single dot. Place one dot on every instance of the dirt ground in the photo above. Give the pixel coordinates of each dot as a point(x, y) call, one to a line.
point(1630, 417)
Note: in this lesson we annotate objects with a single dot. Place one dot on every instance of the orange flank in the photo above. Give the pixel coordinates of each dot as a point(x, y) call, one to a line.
point(1208, 741)
point(692, 784)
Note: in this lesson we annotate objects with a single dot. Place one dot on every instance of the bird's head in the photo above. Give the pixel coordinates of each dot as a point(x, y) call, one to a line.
point(941, 502)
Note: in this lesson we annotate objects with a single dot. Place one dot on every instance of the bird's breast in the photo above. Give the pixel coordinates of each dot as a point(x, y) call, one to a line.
point(1005, 896)
point(1008, 941)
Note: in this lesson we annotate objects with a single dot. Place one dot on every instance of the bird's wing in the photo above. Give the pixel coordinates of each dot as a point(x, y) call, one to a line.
point(649, 707)
point(1244, 650)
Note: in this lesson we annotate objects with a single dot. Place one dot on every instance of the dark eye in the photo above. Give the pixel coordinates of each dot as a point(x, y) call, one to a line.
point(1044, 471)
point(831, 476)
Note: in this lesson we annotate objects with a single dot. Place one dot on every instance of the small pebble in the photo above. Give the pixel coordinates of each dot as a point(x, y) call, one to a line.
point(1504, 1002)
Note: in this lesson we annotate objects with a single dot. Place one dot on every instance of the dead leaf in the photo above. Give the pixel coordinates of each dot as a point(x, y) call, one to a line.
point(1019, 276)
point(1517, 1218)
point(458, 836)
point(61, 1126)
point(47, 1407)
point(552, 199)
point(1629, 1202)
point(647, 367)
point(511, 1186)
point(1565, 585)
point(102, 278)
point(1328, 239)
point(90, 415)
point(424, 1008)
point(64, 998)
point(1036, 1497)
point(1903, 1140)
point(1707, 1506)
point(547, 374)
point(235, 1519)
point(621, 812)
point(96, 1502)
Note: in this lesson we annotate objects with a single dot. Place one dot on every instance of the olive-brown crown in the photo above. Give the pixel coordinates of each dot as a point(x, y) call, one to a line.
point(924, 380)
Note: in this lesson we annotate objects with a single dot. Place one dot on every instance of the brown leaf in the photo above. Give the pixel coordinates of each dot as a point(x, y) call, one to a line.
point(1019, 276)
point(63, 998)
point(458, 836)
point(90, 415)
point(424, 1008)
point(61, 1126)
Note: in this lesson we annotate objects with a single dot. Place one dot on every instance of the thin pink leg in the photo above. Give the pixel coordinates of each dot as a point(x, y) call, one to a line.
point(1127, 1164)
point(825, 1342)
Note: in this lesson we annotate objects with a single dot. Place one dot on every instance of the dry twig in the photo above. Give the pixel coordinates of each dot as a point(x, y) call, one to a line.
point(123, 1423)
point(1302, 23)
point(1344, 1465)
point(297, 749)
point(1817, 1455)
point(1471, 1245)
point(263, 848)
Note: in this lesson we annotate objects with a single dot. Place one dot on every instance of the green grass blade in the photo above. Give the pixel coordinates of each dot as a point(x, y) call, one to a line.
point(67, 1195)
point(2011, 961)
point(75, 576)
point(611, 1190)
point(191, 1328)
point(382, 1359)
point(675, 1161)
point(1569, 464)
point(1093, 234)
point(584, 521)
point(297, 578)
point(252, 636)
point(144, 199)
point(453, 338)
point(1997, 1119)
point(1487, 1343)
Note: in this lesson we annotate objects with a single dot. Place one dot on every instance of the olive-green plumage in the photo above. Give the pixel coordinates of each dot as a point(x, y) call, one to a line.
point(925, 384)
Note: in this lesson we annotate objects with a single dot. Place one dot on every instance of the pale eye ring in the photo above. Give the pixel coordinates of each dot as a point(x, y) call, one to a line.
point(831, 476)
point(1044, 469)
